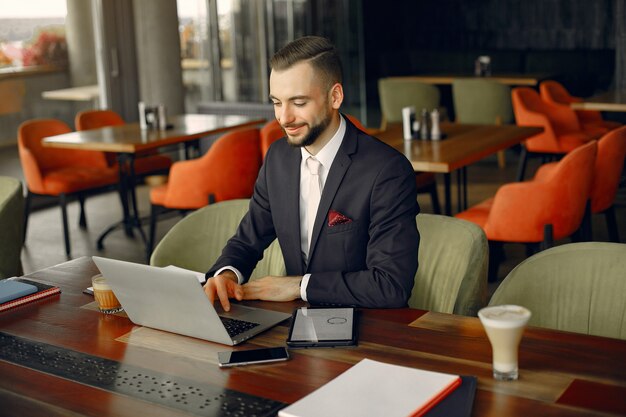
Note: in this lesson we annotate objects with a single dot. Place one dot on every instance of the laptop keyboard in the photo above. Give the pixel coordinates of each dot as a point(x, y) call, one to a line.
point(235, 327)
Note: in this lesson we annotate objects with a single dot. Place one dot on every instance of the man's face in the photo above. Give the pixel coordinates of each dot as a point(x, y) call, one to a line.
point(302, 104)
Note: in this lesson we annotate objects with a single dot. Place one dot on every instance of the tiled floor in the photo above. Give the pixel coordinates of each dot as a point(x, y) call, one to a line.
point(44, 244)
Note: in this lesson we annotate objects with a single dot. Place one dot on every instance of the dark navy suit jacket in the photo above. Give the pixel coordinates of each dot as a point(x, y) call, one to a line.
point(368, 262)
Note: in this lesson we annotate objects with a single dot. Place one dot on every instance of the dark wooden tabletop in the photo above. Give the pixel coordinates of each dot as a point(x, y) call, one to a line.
point(130, 138)
point(560, 373)
point(614, 100)
point(464, 144)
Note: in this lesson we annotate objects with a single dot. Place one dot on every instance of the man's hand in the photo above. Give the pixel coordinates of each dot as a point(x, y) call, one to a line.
point(226, 286)
point(273, 289)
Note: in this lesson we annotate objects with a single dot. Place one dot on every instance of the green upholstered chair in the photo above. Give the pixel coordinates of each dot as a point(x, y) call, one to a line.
point(11, 226)
point(577, 287)
point(484, 102)
point(452, 273)
point(398, 92)
point(197, 240)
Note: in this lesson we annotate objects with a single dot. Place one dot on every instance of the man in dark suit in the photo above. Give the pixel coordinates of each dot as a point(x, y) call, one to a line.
point(341, 203)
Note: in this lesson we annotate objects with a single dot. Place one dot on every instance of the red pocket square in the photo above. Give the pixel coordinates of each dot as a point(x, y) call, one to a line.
point(335, 218)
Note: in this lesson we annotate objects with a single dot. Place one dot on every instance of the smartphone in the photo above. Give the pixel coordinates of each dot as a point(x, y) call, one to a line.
point(252, 356)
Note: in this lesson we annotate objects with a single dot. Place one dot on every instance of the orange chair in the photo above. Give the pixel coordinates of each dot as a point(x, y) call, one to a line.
point(561, 130)
point(590, 121)
point(226, 172)
point(548, 208)
point(270, 133)
point(609, 166)
point(60, 172)
point(145, 162)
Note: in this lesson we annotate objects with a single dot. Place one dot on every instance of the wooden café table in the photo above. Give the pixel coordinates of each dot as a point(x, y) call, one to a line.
point(614, 100)
point(464, 144)
point(61, 357)
point(129, 139)
point(513, 79)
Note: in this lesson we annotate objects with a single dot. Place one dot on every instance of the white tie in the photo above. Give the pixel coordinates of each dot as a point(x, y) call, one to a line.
point(315, 193)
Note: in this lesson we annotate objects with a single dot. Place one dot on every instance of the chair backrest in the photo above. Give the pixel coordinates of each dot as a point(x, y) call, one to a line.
point(481, 101)
point(197, 241)
point(531, 110)
point(452, 272)
point(577, 287)
point(356, 122)
point(94, 119)
point(38, 160)
point(554, 92)
point(398, 92)
point(11, 224)
point(228, 171)
point(560, 192)
point(270, 133)
point(608, 169)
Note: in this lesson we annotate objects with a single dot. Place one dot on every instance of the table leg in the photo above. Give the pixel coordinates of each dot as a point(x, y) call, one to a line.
point(459, 190)
point(128, 198)
point(464, 188)
point(135, 220)
point(447, 196)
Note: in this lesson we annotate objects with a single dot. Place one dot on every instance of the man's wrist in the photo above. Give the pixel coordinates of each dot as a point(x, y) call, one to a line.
point(238, 278)
point(304, 282)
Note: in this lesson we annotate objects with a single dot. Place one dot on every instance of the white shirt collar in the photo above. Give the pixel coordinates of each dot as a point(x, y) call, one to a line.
point(327, 154)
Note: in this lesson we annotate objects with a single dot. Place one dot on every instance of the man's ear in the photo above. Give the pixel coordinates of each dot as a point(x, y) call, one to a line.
point(336, 96)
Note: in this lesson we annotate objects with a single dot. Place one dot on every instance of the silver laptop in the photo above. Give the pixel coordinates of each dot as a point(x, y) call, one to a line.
point(174, 301)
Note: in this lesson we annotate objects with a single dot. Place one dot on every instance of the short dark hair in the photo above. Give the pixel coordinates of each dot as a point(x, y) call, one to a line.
point(318, 51)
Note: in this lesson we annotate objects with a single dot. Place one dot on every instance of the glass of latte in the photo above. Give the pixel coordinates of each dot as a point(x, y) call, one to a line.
point(504, 326)
point(102, 292)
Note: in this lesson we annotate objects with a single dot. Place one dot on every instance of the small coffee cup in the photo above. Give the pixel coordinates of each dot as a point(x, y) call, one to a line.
point(106, 299)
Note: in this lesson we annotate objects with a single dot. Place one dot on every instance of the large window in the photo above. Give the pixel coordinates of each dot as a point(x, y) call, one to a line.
point(226, 44)
point(32, 33)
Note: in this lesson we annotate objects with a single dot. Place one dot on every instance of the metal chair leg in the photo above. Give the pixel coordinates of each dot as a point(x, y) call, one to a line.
point(548, 237)
point(496, 251)
point(66, 231)
point(611, 224)
point(434, 196)
point(82, 221)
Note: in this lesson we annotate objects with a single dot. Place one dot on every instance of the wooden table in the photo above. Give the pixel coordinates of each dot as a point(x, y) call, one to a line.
point(561, 374)
point(464, 145)
point(609, 101)
point(129, 139)
point(530, 80)
point(83, 93)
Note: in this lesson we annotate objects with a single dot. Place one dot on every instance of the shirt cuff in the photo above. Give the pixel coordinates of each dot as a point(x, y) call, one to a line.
point(231, 268)
point(303, 285)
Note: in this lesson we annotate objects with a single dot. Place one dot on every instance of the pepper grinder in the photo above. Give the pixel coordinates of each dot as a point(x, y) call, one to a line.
point(424, 125)
point(435, 131)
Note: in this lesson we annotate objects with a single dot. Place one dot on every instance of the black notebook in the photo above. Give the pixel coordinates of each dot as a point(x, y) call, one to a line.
point(459, 402)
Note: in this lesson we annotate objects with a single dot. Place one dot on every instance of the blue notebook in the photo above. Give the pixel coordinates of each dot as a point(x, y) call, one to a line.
point(10, 290)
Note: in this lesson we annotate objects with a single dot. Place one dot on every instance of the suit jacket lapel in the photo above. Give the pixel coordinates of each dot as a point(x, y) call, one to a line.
point(333, 181)
point(292, 207)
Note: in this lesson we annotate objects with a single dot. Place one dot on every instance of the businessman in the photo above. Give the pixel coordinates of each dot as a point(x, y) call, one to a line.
point(341, 203)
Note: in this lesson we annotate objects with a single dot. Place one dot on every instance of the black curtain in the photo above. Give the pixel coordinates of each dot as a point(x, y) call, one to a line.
point(620, 44)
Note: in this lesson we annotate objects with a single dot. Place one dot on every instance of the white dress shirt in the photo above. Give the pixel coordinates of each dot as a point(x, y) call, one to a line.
point(325, 156)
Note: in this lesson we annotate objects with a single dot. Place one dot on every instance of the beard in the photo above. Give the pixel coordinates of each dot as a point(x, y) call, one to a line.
point(314, 132)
